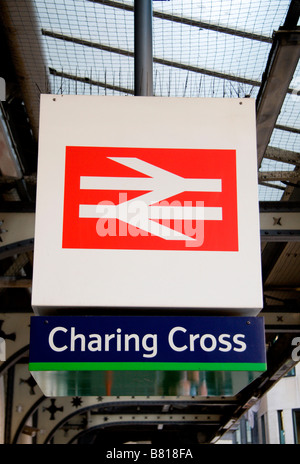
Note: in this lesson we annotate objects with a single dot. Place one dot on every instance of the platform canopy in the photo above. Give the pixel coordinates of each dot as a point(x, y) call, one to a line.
point(229, 49)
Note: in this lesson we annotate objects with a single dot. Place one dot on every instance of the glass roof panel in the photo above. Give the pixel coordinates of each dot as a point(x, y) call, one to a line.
point(211, 48)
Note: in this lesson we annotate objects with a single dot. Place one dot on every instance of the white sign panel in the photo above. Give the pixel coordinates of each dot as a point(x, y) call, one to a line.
point(147, 202)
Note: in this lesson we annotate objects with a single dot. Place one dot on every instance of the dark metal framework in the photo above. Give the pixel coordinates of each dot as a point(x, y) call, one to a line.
point(18, 195)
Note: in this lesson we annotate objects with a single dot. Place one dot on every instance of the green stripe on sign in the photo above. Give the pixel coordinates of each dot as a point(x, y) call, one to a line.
point(141, 366)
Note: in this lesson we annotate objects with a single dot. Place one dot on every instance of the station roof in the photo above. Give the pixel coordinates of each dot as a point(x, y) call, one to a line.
point(210, 49)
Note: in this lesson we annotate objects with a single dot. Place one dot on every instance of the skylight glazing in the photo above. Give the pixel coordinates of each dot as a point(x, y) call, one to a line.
point(215, 48)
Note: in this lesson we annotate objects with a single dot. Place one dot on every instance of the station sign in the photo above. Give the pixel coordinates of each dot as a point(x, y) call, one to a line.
point(150, 199)
point(145, 355)
point(132, 343)
point(147, 202)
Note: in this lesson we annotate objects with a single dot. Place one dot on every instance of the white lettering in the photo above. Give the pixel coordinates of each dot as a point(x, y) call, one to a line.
point(225, 342)
point(171, 341)
point(296, 351)
point(119, 339)
point(107, 340)
point(77, 337)
point(152, 347)
point(95, 345)
point(192, 340)
point(179, 340)
point(236, 340)
point(51, 337)
point(213, 345)
point(129, 337)
point(207, 342)
point(127, 455)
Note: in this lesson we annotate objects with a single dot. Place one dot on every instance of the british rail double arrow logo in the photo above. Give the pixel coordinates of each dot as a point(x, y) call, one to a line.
point(150, 199)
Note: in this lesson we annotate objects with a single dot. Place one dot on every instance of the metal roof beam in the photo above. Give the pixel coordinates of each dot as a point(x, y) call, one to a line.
point(283, 59)
point(162, 61)
point(293, 15)
point(279, 206)
point(285, 156)
point(266, 176)
point(279, 222)
point(190, 22)
point(87, 43)
point(173, 64)
point(295, 130)
point(87, 80)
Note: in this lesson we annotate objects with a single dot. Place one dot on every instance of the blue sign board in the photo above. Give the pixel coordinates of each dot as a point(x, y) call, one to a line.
point(145, 343)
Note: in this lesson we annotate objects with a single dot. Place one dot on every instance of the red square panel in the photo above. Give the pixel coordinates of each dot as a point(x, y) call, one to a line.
point(150, 199)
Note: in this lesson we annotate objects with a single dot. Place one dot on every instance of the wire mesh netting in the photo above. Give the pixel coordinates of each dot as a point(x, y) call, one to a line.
point(215, 48)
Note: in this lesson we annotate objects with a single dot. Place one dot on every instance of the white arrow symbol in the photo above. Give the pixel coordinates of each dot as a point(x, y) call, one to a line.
point(160, 184)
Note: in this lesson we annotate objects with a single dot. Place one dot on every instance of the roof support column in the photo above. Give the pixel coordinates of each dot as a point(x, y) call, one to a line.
point(143, 54)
